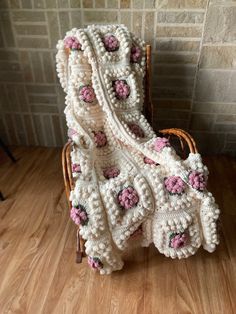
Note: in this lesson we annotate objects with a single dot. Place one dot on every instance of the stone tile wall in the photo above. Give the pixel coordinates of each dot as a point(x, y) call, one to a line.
point(194, 63)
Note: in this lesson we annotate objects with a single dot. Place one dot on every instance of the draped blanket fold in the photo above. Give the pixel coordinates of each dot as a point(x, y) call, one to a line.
point(125, 176)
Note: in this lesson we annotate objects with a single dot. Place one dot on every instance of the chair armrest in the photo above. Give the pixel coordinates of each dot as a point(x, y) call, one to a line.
point(182, 135)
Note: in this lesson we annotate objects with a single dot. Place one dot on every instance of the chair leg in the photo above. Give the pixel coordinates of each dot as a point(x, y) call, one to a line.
point(7, 151)
point(79, 256)
point(1, 196)
point(79, 252)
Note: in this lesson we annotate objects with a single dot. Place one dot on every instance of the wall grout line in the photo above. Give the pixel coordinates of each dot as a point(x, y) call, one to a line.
point(198, 62)
point(103, 9)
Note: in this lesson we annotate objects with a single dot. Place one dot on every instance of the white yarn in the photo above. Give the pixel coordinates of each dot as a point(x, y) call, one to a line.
point(192, 214)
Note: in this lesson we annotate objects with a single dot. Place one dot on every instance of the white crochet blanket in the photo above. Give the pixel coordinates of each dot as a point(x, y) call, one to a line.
point(125, 176)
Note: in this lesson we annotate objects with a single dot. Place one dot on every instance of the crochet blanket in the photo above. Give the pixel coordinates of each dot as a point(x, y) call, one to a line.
point(125, 176)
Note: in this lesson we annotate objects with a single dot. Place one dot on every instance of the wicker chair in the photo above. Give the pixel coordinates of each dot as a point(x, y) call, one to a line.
point(184, 138)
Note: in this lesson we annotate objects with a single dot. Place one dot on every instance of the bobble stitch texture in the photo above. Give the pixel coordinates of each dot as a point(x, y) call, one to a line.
point(121, 89)
point(100, 139)
point(136, 130)
point(120, 96)
point(111, 172)
point(78, 215)
point(174, 185)
point(178, 240)
point(87, 94)
point(95, 263)
point(197, 180)
point(76, 168)
point(72, 43)
point(128, 198)
point(160, 143)
point(111, 43)
point(135, 54)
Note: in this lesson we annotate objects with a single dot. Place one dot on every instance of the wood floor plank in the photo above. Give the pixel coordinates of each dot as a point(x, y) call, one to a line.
point(37, 252)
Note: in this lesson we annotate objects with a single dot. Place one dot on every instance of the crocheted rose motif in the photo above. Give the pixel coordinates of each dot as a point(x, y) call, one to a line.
point(94, 262)
point(197, 180)
point(121, 89)
point(160, 143)
point(72, 43)
point(111, 172)
point(178, 240)
point(149, 161)
point(71, 132)
point(111, 43)
point(128, 197)
point(174, 185)
point(100, 139)
point(78, 215)
point(135, 54)
point(76, 168)
point(136, 130)
point(87, 94)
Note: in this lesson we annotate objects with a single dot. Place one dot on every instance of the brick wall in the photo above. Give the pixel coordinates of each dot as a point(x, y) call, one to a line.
point(194, 62)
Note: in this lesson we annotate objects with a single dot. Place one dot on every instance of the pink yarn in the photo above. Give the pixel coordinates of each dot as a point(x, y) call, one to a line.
point(76, 168)
point(72, 43)
point(135, 54)
point(95, 262)
point(100, 139)
point(136, 130)
point(174, 184)
point(87, 93)
point(121, 88)
point(178, 240)
point(128, 197)
point(197, 180)
point(78, 215)
point(111, 43)
point(71, 132)
point(160, 143)
point(149, 161)
point(111, 172)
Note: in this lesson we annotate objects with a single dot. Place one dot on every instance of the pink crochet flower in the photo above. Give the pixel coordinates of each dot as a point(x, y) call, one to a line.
point(78, 215)
point(136, 130)
point(121, 89)
point(149, 161)
point(111, 43)
point(72, 43)
point(160, 143)
point(87, 94)
point(178, 240)
point(135, 54)
point(111, 172)
point(71, 132)
point(95, 262)
point(100, 138)
point(174, 184)
point(197, 180)
point(128, 197)
point(76, 168)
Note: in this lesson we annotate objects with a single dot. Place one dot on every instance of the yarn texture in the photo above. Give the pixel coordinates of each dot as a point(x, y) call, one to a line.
point(127, 180)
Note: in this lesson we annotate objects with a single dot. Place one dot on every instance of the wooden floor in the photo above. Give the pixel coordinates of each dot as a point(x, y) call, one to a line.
point(38, 273)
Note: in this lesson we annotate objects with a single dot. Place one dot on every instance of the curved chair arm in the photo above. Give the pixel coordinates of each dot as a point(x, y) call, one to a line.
point(182, 135)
